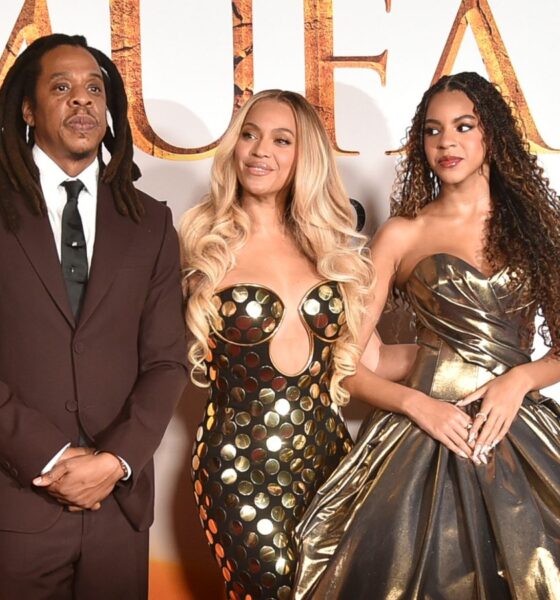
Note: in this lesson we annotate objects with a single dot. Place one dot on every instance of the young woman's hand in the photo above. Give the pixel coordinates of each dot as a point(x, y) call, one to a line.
point(443, 421)
point(501, 399)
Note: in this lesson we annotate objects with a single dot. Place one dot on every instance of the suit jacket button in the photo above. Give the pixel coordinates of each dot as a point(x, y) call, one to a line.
point(71, 406)
point(78, 347)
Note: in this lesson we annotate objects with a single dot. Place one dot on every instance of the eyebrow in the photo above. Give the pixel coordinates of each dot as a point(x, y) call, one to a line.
point(69, 73)
point(467, 116)
point(285, 129)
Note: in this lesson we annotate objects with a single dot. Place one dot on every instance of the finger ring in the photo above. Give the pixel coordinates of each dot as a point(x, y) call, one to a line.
point(468, 426)
point(482, 415)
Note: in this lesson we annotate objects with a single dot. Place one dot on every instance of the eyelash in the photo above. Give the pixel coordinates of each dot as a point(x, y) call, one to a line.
point(461, 128)
point(63, 87)
point(248, 135)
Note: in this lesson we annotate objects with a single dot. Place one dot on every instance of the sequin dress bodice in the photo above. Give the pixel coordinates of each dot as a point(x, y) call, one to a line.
point(268, 440)
point(250, 315)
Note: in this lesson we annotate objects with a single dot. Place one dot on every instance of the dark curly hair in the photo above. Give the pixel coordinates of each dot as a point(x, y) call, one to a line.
point(18, 171)
point(523, 229)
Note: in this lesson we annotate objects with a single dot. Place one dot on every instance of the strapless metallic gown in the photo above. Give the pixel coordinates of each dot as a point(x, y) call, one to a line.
point(404, 518)
point(267, 440)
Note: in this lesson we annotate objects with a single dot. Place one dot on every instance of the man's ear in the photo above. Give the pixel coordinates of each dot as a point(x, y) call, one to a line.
point(27, 112)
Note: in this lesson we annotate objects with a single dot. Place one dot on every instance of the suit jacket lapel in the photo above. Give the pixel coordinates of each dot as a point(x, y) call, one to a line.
point(113, 234)
point(36, 239)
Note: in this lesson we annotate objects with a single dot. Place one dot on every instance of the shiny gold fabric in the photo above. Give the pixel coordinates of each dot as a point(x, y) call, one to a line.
point(404, 518)
point(268, 440)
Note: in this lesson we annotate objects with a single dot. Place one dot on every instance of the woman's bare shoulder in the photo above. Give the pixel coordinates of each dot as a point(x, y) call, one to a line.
point(398, 234)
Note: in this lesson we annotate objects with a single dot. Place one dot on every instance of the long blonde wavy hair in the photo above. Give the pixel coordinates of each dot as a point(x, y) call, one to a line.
point(318, 215)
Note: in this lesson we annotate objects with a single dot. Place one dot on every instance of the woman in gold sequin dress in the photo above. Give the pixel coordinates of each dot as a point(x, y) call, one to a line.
point(452, 491)
point(276, 281)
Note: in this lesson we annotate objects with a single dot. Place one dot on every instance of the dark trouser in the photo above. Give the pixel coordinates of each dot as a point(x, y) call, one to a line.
point(83, 556)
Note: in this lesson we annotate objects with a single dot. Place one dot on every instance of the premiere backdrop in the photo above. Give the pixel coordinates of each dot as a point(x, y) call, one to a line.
point(364, 63)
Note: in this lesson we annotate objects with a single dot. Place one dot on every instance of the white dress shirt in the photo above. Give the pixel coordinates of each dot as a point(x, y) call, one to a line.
point(51, 177)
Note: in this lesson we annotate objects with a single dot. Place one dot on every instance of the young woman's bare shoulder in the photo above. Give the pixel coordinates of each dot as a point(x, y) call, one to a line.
point(398, 234)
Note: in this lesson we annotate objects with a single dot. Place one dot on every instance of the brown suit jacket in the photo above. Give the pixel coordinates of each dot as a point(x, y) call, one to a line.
point(117, 373)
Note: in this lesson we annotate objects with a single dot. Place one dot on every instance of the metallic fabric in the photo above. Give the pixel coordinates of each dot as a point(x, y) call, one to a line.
point(268, 440)
point(404, 518)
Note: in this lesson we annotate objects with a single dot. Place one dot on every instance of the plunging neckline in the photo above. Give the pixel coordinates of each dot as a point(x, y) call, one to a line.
point(300, 311)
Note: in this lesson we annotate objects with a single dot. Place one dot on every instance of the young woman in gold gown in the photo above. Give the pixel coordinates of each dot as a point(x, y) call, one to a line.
point(452, 491)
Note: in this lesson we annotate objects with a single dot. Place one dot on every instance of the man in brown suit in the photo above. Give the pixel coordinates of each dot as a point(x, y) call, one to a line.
point(92, 340)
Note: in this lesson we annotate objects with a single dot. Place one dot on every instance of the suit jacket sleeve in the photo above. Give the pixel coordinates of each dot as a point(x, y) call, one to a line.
point(27, 439)
point(137, 432)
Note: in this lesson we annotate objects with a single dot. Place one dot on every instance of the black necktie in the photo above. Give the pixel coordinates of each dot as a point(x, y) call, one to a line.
point(73, 252)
